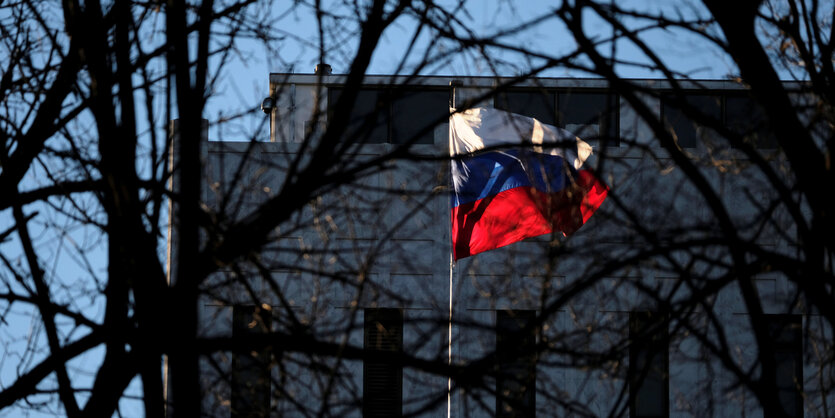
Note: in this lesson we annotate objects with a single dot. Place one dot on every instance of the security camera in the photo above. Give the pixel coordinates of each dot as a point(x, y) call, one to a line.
point(267, 105)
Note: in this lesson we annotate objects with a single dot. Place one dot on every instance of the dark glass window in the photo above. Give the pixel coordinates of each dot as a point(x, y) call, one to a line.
point(382, 377)
point(516, 364)
point(537, 104)
point(369, 119)
point(648, 372)
point(786, 333)
point(745, 117)
point(685, 129)
point(250, 367)
point(415, 113)
point(593, 116)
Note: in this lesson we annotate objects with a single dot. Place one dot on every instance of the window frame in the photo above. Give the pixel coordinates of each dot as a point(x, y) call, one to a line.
point(697, 140)
point(239, 404)
point(769, 141)
point(765, 144)
point(609, 126)
point(394, 95)
point(639, 322)
point(371, 318)
point(387, 97)
point(520, 350)
point(776, 324)
point(611, 98)
point(506, 105)
point(383, 103)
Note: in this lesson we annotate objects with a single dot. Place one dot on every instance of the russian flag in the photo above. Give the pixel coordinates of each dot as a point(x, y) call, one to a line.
point(516, 178)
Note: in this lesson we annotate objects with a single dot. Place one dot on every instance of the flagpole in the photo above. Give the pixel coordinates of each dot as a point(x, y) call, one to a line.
point(452, 106)
point(449, 340)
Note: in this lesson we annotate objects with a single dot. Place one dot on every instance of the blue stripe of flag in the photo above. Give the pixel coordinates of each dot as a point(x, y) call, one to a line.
point(491, 173)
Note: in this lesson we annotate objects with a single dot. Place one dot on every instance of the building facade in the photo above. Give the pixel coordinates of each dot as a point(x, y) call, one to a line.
point(640, 313)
